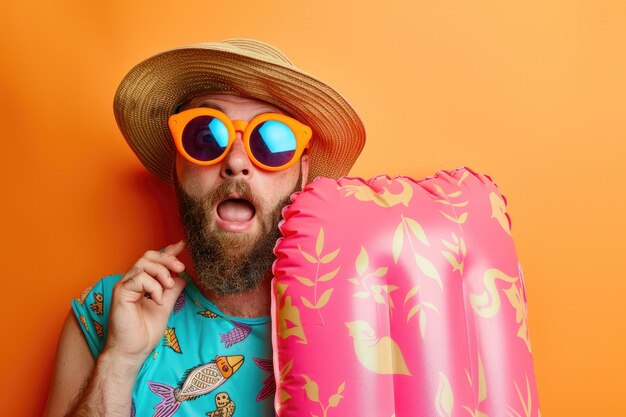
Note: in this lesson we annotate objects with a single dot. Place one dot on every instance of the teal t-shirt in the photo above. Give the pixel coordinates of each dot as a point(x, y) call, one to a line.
point(208, 363)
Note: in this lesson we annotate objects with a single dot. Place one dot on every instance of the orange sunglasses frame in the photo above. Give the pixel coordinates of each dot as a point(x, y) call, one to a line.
point(177, 123)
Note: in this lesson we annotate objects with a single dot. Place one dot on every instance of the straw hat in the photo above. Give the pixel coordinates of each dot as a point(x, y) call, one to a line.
point(154, 89)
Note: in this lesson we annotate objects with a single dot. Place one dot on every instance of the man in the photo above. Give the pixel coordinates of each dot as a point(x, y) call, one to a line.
point(236, 128)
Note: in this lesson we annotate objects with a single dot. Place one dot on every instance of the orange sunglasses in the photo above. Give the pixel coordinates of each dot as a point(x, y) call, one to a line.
point(272, 141)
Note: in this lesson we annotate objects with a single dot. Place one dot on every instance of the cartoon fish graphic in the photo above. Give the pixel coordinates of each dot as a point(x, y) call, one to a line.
point(198, 381)
point(84, 295)
point(236, 335)
point(97, 304)
point(99, 329)
point(171, 340)
point(269, 385)
point(84, 321)
point(180, 303)
point(207, 314)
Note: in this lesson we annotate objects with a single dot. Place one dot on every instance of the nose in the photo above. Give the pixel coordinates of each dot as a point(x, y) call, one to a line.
point(236, 164)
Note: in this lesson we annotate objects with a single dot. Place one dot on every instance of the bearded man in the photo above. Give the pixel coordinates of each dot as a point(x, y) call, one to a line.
point(236, 128)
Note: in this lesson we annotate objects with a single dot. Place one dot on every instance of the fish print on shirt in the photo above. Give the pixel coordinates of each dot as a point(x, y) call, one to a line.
point(198, 381)
point(225, 406)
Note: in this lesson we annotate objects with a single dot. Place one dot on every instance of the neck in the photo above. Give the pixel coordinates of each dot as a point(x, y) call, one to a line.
point(249, 304)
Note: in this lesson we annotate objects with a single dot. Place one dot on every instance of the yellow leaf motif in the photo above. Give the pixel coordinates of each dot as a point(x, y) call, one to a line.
point(304, 280)
point(463, 177)
point(413, 311)
point(307, 256)
point(487, 303)
point(450, 246)
point(444, 399)
point(417, 230)
point(381, 271)
point(362, 261)
point(284, 396)
point(362, 294)
point(482, 386)
point(329, 276)
point(422, 321)
point(319, 245)
point(460, 220)
point(311, 389)
point(447, 203)
point(498, 210)
point(452, 261)
point(411, 293)
point(526, 404)
point(515, 298)
point(379, 298)
point(324, 298)
point(334, 399)
point(463, 249)
point(383, 199)
point(330, 257)
point(398, 241)
point(306, 302)
point(285, 371)
point(428, 268)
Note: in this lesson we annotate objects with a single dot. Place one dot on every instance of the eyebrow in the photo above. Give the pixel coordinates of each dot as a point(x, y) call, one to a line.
point(210, 105)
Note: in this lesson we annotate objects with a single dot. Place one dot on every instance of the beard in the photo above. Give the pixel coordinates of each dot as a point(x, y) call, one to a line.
point(225, 262)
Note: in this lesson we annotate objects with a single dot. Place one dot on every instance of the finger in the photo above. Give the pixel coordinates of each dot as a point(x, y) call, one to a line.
point(134, 288)
point(156, 270)
point(169, 261)
point(175, 248)
point(170, 295)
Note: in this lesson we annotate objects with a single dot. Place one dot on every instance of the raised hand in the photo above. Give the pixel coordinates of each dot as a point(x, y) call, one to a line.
point(142, 302)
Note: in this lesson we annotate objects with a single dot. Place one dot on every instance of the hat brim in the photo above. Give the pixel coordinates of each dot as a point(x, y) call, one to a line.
point(154, 89)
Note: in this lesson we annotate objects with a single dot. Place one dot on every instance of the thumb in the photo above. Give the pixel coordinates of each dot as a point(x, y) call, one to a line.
point(170, 295)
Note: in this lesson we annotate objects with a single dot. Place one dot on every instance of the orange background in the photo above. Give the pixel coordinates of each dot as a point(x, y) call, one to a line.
point(532, 94)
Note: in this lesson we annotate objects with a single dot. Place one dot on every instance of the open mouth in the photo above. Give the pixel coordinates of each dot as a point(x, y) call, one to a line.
point(235, 213)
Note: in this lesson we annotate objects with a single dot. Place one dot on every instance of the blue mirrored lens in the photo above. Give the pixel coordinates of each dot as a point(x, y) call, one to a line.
point(273, 143)
point(205, 138)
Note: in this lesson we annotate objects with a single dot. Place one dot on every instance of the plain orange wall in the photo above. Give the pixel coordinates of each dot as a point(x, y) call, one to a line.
point(532, 94)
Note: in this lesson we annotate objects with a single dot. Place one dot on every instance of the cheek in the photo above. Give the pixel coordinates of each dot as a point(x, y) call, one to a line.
point(196, 180)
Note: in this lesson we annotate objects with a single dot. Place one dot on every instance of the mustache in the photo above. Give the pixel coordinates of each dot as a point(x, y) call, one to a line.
point(228, 187)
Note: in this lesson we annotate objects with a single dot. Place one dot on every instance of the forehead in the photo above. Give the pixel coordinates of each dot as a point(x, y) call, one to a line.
point(233, 106)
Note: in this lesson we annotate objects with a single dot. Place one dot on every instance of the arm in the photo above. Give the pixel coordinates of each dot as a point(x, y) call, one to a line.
point(74, 364)
point(103, 387)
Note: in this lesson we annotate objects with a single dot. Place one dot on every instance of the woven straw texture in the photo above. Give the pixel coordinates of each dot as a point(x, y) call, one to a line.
point(154, 88)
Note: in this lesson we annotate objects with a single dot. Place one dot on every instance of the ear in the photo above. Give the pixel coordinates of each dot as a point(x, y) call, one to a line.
point(304, 169)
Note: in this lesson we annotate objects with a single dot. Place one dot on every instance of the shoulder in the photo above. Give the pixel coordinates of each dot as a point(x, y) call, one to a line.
point(91, 309)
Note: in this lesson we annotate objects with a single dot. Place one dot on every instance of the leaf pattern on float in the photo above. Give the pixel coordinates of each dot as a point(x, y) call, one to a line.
point(317, 303)
point(379, 290)
point(482, 390)
point(521, 314)
point(312, 392)
point(444, 398)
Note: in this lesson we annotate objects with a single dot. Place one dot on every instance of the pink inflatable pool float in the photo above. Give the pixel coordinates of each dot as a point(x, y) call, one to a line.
point(396, 297)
